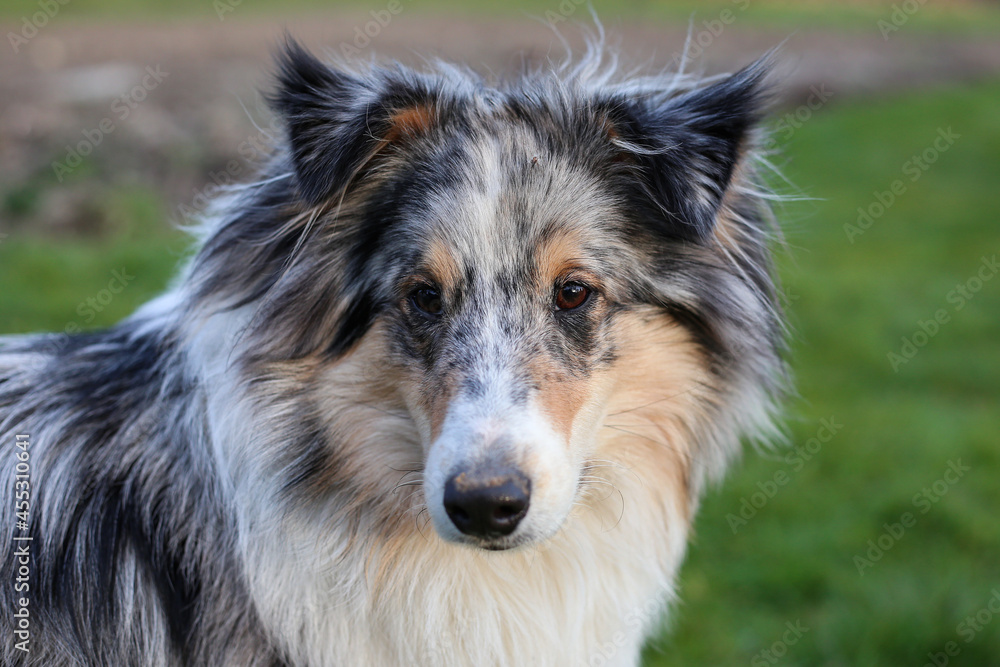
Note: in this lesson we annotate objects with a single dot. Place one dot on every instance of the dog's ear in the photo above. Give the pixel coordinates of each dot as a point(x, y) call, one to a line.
point(687, 146)
point(337, 121)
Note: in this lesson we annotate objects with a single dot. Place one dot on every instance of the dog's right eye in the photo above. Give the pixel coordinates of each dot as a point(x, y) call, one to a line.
point(427, 300)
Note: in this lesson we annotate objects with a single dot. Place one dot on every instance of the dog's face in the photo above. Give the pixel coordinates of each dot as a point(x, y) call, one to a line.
point(516, 247)
point(503, 317)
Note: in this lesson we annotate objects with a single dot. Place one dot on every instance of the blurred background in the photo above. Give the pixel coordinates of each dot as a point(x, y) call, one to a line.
point(874, 539)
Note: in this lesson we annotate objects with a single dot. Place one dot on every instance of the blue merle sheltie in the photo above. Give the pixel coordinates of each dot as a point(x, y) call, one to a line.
point(442, 387)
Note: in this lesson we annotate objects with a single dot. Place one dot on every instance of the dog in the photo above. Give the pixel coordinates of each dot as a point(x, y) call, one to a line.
point(442, 387)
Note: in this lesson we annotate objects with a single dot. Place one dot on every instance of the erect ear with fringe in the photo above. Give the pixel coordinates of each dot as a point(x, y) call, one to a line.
point(337, 121)
point(688, 146)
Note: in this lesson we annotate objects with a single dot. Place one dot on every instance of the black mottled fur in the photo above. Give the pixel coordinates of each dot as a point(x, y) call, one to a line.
point(136, 546)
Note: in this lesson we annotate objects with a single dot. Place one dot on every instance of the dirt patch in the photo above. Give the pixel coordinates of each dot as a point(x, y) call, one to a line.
point(172, 108)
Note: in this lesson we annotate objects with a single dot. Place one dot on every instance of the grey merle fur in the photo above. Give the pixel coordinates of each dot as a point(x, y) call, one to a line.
point(135, 558)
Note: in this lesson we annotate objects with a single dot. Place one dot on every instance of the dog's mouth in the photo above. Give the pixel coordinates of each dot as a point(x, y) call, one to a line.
point(499, 543)
point(491, 541)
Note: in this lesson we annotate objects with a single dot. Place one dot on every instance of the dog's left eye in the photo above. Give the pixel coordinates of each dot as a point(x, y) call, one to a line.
point(572, 295)
point(427, 300)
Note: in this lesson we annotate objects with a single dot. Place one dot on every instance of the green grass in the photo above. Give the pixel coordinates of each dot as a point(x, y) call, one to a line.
point(46, 284)
point(851, 304)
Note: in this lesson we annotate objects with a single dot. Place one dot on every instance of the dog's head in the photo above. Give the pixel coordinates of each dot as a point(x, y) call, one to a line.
point(533, 258)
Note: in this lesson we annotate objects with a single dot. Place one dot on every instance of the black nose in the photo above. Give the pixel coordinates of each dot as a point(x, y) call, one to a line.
point(487, 503)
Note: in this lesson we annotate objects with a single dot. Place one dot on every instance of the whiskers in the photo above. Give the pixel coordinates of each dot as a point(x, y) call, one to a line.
point(411, 481)
point(421, 511)
point(592, 484)
point(404, 482)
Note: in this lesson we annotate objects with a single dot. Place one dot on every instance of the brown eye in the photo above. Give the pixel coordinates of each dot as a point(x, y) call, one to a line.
point(427, 300)
point(572, 295)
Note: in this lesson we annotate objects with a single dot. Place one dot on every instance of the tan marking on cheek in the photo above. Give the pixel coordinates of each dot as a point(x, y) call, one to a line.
point(661, 393)
point(560, 396)
point(437, 400)
point(371, 434)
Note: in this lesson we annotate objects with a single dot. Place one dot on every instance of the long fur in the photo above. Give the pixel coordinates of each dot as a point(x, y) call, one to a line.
point(247, 470)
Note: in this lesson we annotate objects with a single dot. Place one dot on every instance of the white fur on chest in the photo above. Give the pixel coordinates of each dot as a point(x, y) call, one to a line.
point(589, 596)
